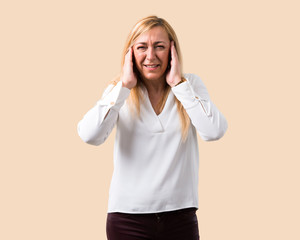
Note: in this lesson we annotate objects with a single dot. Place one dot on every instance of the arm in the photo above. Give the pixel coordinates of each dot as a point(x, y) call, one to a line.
point(98, 122)
point(205, 116)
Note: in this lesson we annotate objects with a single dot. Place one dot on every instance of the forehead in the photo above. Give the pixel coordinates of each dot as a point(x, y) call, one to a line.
point(153, 35)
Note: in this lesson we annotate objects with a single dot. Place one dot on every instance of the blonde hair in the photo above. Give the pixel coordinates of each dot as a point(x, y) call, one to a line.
point(135, 97)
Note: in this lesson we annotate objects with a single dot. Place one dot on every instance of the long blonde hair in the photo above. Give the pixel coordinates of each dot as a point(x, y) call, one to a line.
point(135, 97)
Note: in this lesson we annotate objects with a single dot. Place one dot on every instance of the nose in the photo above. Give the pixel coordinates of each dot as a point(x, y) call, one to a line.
point(151, 54)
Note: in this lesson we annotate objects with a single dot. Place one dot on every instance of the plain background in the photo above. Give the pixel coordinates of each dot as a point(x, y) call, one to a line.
point(58, 56)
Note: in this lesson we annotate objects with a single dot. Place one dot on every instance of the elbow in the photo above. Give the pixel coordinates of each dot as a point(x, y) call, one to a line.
point(91, 141)
point(89, 138)
point(212, 137)
point(216, 133)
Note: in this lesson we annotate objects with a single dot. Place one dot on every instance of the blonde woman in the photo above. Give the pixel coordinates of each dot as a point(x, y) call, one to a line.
point(158, 111)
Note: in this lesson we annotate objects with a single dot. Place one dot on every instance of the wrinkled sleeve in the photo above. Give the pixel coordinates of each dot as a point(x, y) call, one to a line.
point(205, 116)
point(98, 122)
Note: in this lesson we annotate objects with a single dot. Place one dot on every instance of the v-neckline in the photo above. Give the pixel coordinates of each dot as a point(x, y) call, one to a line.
point(152, 109)
point(153, 122)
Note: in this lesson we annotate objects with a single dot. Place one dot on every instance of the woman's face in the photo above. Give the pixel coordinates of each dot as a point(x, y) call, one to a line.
point(151, 53)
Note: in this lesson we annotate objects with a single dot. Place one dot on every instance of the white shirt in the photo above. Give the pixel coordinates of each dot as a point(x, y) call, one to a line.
point(154, 169)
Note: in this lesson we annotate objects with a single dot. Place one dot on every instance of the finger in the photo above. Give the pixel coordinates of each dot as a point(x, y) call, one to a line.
point(171, 49)
point(174, 52)
point(130, 54)
point(128, 49)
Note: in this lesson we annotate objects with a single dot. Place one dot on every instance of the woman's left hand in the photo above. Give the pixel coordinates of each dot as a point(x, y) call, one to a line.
point(173, 77)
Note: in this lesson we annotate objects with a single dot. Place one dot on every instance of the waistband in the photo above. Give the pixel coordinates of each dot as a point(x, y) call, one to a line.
point(190, 209)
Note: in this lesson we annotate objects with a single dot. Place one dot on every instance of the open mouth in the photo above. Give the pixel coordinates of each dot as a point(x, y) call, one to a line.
point(152, 66)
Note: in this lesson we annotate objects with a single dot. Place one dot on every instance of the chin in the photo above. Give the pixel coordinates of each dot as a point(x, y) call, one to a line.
point(152, 76)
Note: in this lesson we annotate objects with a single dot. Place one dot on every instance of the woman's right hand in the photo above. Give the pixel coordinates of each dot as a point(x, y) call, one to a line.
point(128, 76)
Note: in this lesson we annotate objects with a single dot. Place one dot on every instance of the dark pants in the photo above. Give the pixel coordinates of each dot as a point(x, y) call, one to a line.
point(175, 225)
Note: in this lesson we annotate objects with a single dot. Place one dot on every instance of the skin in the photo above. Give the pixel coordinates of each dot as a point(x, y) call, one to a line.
point(152, 48)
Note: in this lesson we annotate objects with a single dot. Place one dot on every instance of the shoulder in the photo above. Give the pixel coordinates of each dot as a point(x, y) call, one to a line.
point(192, 78)
point(196, 83)
point(113, 86)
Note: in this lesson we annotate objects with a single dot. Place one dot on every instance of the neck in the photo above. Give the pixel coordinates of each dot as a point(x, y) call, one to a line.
point(155, 86)
point(157, 92)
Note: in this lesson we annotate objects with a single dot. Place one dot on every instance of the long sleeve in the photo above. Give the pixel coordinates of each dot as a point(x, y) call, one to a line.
point(98, 122)
point(205, 116)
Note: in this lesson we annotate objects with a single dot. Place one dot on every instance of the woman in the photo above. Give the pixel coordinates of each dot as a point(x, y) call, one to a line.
point(157, 110)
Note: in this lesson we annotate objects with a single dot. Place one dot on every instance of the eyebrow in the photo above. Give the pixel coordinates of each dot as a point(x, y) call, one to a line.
point(144, 43)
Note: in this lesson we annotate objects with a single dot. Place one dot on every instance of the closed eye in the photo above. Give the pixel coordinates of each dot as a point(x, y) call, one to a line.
point(143, 48)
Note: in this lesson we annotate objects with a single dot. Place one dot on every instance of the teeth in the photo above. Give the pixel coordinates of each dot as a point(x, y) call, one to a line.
point(151, 66)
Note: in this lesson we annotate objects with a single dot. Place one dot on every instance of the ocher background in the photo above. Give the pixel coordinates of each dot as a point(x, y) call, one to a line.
point(58, 56)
